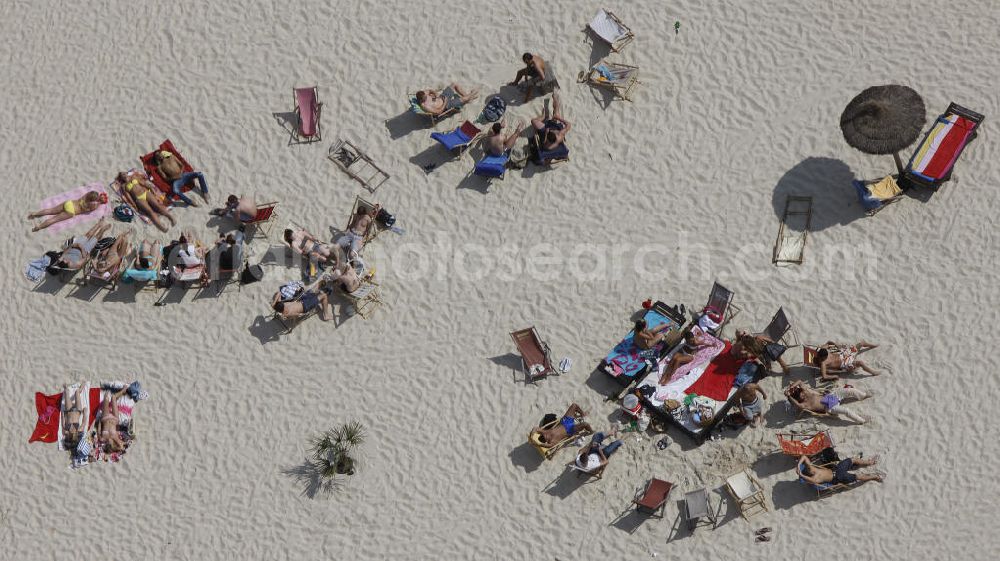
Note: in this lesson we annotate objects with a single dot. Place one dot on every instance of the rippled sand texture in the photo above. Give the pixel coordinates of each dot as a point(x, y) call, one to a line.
point(737, 110)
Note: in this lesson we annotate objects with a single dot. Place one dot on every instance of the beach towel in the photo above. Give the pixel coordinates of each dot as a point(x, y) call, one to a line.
point(154, 174)
point(126, 404)
point(626, 358)
point(719, 376)
point(713, 346)
point(47, 425)
point(99, 212)
point(941, 147)
point(35, 270)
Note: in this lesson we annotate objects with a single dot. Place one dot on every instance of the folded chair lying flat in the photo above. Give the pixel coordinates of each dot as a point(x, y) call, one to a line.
point(790, 245)
point(536, 360)
point(611, 30)
point(357, 164)
point(932, 163)
point(876, 195)
point(459, 139)
point(747, 492)
point(309, 109)
point(493, 166)
point(418, 110)
point(154, 174)
point(548, 450)
point(653, 499)
point(621, 79)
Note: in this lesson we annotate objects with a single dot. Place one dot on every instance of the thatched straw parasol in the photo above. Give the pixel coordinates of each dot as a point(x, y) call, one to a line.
point(884, 120)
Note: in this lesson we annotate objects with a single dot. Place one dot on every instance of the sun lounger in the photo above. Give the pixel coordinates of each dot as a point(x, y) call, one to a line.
point(608, 28)
point(793, 232)
point(418, 110)
point(493, 166)
point(548, 450)
point(309, 110)
point(748, 493)
point(876, 195)
point(619, 78)
point(355, 163)
point(459, 139)
point(935, 156)
point(154, 174)
point(536, 360)
point(652, 500)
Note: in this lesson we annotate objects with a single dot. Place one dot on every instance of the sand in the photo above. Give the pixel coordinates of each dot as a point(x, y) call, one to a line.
point(662, 196)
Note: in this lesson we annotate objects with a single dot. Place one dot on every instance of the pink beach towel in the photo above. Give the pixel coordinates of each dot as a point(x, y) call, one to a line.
point(101, 211)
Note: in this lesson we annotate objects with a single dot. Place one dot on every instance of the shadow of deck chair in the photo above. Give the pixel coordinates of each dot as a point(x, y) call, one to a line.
point(934, 159)
point(492, 167)
point(748, 493)
point(607, 27)
point(790, 245)
point(536, 359)
point(458, 140)
point(651, 500)
point(308, 109)
point(548, 451)
point(357, 164)
point(619, 78)
point(877, 194)
point(262, 221)
point(720, 299)
point(416, 109)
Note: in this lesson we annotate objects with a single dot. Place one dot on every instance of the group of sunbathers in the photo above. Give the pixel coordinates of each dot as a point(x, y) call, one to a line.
point(75, 419)
point(833, 359)
point(593, 456)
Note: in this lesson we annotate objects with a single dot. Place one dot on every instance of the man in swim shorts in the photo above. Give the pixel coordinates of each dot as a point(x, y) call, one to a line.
point(568, 425)
point(752, 405)
point(812, 400)
point(840, 474)
point(452, 97)
point(844, 358)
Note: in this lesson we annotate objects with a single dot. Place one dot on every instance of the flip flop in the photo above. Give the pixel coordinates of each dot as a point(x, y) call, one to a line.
point(762, 531)
point(761, 539)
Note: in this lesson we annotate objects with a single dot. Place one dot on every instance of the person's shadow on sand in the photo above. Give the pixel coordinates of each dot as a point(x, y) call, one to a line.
point(265, 329)
point(525, 456)
point(828, 182)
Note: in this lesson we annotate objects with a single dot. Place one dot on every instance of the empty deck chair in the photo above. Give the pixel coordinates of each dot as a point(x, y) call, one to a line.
point(876, 195)
point(698, 505)
point(536, 361)
point(780, 330)
point(748, 493)
point(620, 78)
point(309, 109)
point(720, 302)
point(494, 167)
point(652, 500)
point(933, 161)
point(796, 445)
point(608, 28)
point(790, 245)
point(459, 139)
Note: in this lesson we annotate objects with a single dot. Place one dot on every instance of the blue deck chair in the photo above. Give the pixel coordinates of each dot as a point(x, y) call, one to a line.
point(492, 166)
point(459, 139)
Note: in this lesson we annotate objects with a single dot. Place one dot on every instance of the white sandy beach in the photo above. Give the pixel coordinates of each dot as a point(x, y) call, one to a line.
point(662, 196)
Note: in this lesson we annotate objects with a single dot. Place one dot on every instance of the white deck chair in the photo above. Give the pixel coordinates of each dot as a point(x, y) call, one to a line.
point(611, 30)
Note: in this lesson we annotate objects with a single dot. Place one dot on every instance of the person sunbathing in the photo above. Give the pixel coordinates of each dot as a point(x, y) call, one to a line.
point(645, 338)
point(834, 357)
point(306, 245)
point(144, 266)
point(172, 170)
point(346, 277)
point(811, 400)
point(752, 405)
point(571, 423)
point(452, 97)
point(496, 144)
point(64, 211)
point(74, 423)
point(136, 190)
point(353, 240)
point(306, 302)
point(818, 475)
point(593, 457)
point(694, 342)
point(551, 130)
point(107, 425)
point(76, 255)
point(759, 347)
point(109, 259)
point(535, 73)
point(242, 209)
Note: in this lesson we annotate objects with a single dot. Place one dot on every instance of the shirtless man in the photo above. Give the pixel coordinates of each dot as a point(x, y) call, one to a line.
point(452, 97)
point(306, 303)
point(752, 405)
point(243, 209)
point(841, 474)
point(754, 347)
point(552, 128)
point(172, 170)
point(809, 399)
point(843, 358)
point(347, 278)
point(496, 144)
point(354, 238)
point(646, 339)
point(567, 426)
point(535, 73)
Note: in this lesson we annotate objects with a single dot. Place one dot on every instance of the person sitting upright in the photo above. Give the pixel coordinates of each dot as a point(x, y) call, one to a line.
point(172, 170)
point(552, 129)
point(568, 425)
point(645, 338)
point(812, 400)
point(841, 474)
point(593, 458)
point(64, 211)
point(844, 358)
point(536, 73)
point(450, 98)
point(496, 144)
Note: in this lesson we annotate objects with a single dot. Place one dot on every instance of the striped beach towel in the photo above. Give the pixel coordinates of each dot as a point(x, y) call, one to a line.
point(942, 145)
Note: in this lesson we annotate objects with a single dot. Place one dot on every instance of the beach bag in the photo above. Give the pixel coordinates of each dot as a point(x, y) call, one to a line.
point(124, 213)
point(385, 218)
point(548, 418)
point(252, 274)
point(102, 244)
point(494, 110)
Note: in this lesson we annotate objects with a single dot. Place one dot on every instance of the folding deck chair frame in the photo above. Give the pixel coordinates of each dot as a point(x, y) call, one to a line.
point(263, 221)
point(776, 257)
point(345, 155)
point(722, 299)
point(530, 335)
point(620, 43)
point(549, 452)
point(915, 178)
point(593, 77)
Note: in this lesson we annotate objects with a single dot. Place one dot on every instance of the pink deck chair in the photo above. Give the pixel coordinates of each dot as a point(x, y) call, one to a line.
point(308, 108)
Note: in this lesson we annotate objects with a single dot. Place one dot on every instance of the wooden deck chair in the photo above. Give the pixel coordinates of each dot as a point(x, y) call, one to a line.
point(308, 109)
point(147, 278)
point(374, 228)
point(796, 445)
point(536, 359)
point(263, 221)
point(610, 29)
point(934, 159)
point(416, 109)
point(789, 247)
point(358, 165)
point(458, 140)
point(547, 450)
point(698, 505)
point(289, 324)
point(721, 299)
point(652, 500)
point(748, 493)
point(366, 298)
point(877, 194)
point(620, 78)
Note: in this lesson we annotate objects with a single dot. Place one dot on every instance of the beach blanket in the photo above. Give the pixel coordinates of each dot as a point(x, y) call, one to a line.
point(126, 403)
point(719, 375)
point(154, 174)
point(79, 192)
point(713, 346)
point(941, 147)
point(626, 358)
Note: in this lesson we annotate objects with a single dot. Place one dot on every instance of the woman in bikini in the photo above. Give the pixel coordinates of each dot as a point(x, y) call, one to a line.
point(85, 204)
point(73, 416)
point(135, 188)
point(108, 424)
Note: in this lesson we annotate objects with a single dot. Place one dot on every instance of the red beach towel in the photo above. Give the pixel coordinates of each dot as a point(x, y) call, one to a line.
point(719, 376)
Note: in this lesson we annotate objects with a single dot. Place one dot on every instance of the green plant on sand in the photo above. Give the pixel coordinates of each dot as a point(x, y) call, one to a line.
point(333, 452)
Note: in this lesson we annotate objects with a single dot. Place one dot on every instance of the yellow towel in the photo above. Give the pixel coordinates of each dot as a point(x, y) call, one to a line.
point(885, 189)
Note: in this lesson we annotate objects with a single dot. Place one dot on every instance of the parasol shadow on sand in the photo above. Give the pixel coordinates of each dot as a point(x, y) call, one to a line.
point(828, 182)
point(884, 120)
